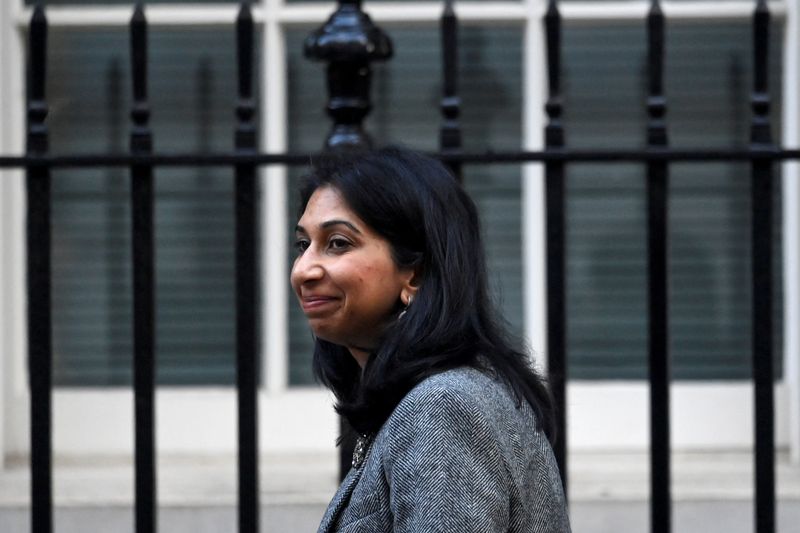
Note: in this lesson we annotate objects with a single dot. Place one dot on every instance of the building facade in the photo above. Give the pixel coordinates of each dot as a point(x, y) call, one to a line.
point(502, 81)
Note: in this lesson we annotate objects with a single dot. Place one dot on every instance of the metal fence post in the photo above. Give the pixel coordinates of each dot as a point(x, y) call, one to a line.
point(40, 346)
point(762, 184)
point(556, 238)
point(246, 199)
point(141, 143)
point(658, 282)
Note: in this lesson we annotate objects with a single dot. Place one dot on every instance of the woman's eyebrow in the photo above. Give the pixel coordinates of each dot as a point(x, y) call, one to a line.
point(327, 224)
point(336, 222)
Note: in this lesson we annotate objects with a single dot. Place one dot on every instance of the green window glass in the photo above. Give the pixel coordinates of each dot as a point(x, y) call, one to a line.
point(708, 84)
point(406, 94)
point(192, 89)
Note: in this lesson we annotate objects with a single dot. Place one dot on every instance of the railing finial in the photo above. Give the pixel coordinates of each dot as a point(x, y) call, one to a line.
point(245, 108)
point(140, 112)
point(450, 132)
point(37, 107)
point(554, 134)
point(349, 42)
point(656, 103)
point(760, 102)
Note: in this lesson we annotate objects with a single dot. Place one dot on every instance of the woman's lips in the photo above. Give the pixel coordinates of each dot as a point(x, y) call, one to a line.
point(312, 304)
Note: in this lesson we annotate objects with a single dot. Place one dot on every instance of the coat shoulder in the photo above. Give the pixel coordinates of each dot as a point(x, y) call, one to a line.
point(470, 388)
point(458, 401)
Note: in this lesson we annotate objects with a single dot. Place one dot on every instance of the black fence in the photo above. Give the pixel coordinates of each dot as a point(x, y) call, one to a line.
point(348, 83)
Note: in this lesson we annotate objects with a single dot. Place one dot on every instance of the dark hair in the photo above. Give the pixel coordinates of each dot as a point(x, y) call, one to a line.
point(432, 225)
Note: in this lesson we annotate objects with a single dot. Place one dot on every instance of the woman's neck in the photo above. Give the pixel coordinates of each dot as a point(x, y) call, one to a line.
point(360, 354)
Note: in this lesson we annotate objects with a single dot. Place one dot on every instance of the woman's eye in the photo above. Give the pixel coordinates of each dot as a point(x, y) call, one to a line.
point(338, 244)
point(301, 245)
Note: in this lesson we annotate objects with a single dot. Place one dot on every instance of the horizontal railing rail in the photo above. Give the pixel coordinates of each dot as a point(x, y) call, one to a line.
point(677, 155)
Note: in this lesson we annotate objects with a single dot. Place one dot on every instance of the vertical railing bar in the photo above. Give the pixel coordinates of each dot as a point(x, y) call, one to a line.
point(556, 238)
point(658, 282)
point(762, 183)
point(143, 283)
point(40, 353)
point(246, 198)
point(450, 132)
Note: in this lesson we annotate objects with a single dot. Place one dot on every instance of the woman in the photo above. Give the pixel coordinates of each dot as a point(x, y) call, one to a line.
point(454, 424)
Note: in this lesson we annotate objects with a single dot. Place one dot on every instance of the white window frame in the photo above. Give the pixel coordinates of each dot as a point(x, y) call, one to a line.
point(602, 414)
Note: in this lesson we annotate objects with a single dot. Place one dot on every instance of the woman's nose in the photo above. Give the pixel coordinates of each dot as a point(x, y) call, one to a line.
point(307, 268)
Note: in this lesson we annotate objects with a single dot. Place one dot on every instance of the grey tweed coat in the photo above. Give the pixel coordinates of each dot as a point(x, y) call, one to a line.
point(455, 456)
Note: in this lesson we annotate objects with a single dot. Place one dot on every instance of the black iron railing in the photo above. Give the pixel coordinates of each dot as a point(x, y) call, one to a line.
point(658, 289)
point(40, 338)
point(348, 105)
point(141, 142)
point(555, 228)
point(246, 192)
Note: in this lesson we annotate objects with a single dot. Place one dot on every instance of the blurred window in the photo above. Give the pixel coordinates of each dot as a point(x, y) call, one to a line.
point(192, 91)
point(192, 76)
point(707, 84)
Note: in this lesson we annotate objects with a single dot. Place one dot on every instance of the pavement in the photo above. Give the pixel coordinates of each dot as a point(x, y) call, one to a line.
point(712, 492)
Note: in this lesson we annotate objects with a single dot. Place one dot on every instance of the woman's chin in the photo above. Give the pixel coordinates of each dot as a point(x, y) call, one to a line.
point(323, 333)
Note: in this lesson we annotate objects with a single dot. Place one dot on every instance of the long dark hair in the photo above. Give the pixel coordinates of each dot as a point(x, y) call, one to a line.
point(432, 225)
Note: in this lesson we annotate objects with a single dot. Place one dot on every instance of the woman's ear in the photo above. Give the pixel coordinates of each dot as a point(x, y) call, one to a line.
point(410, 286)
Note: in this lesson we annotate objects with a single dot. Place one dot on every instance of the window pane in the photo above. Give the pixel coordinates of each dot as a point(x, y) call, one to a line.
point(192, 80)
point(406, 93)
point(708, 80)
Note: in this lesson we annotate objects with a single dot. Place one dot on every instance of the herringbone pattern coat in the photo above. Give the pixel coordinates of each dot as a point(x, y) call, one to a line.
point(455, 456)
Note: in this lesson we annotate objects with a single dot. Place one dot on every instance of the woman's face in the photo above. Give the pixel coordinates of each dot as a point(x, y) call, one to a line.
point(344, 276)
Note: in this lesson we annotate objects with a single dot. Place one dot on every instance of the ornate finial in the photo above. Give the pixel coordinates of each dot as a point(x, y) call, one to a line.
point(348, 42)
point(656, 103)
point(245, 109)
point(37, 106)
point(554, 133)
point(140, 111)
point(450, 133)
point(760, 101)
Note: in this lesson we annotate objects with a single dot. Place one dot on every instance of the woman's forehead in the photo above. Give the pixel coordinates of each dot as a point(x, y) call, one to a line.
point(323, 202)
point(327, 204)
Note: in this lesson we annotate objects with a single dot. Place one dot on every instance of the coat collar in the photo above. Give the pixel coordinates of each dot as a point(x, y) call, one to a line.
point(340, 500)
